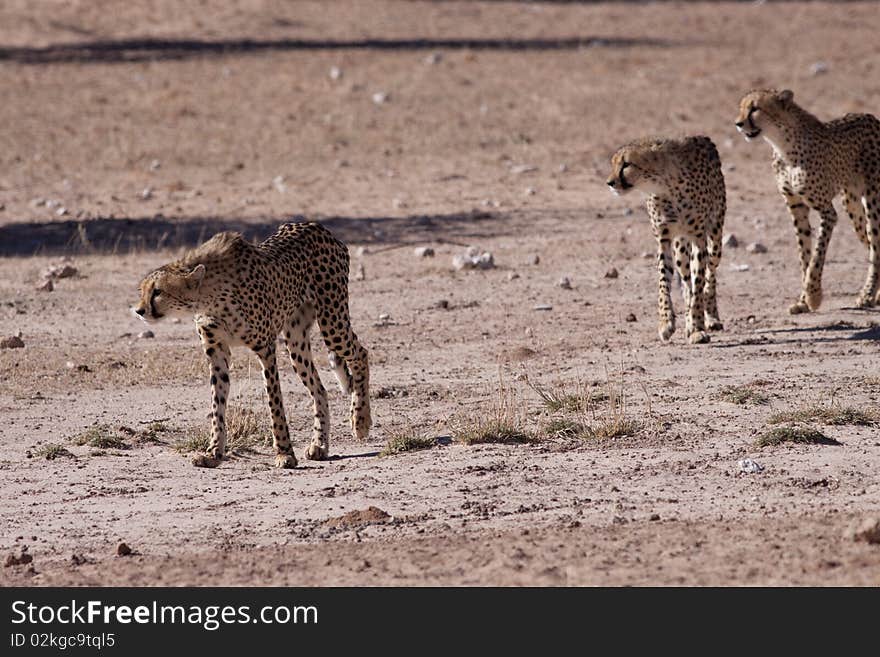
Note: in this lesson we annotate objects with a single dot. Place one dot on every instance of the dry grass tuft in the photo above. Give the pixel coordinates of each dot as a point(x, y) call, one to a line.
point(832, 415)
point(245, 432)
point(798, 435)
point(407, 438)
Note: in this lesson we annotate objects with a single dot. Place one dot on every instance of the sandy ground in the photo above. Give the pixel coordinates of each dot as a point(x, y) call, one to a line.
point(154, 127)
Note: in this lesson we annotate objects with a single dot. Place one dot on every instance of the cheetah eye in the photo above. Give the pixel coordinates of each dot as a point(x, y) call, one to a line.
point(156, 292)
point(624, 165)
point(754, 109)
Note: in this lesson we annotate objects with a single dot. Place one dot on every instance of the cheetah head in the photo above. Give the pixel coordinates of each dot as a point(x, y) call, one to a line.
point(635, 166)
point(757, 110)
point(169, 292)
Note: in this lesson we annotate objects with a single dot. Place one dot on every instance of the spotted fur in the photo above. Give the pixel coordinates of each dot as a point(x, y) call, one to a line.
point(815, 161)
point(241, 294)
point(686, 202)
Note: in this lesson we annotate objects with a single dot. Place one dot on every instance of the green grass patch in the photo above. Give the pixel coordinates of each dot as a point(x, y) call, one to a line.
point(743, 395)
point(100, 436)
point(831, 415)
point(407, 439)
point(796, 435)
point(52, 451)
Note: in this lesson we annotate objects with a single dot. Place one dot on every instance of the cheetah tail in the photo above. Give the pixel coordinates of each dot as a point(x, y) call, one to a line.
point(343, 375)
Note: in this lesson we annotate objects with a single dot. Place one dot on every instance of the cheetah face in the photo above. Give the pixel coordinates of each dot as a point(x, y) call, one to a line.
point(632, 168)
point(757, 109)
point(167, 293)
point(624, 175)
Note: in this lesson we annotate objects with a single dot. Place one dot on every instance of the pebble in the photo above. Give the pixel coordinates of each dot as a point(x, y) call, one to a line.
point(123, 550)
point(611, 273)
point(335, 72)
point(512, 275)
point(434, 58)
point(564, 283)
point(756, 247)
point(730, 241)
point(542, 306)
point(627, 212)
point(749, 466)
point(398, 203)
point(278, 182)
point(12, 342)
point(818, 68)
point(631, 317)
point(63, 270)
point(473, 259)
point(424, 252)
point(739, 267)
point(530, 191)
point(360, 273)
point(147, 194)
point(534, 259)
point(144, 335)
point(523, 168)
point(46, 286)
point(380, 97)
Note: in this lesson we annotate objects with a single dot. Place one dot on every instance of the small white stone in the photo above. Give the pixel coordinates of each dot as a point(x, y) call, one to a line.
point(335, 72)
point(565, 283)
point(424, 252)
point(520, 169)
point(627, 212)
point(398, 203)
point(818, 68)
point(512, 275)
point(542, 307)
point(146, 335)
point(530, 191)
point(433, 58)
point(147, 194)
point(155, 165)
point(749, 466)
point(756, 247)
point(730, 241)
point(380, 97)
point(278, 182)
point(61, 211)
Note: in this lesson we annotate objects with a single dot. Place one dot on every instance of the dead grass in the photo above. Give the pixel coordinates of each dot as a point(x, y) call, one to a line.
point(831, 415)
point(797, 435)
point(617, 426)
point(743, 395)
point(504, 422)
point(565, 428)
point(246, 431)
point(407, 438)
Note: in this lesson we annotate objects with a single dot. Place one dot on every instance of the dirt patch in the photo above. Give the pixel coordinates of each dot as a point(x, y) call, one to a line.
point(400, 125)
point(360, 518)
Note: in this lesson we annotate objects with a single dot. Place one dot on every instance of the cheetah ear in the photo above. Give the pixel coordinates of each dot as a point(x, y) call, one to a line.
point(194, 278)
point(785, 96)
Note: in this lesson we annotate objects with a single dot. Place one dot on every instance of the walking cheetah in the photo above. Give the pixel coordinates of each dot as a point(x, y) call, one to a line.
point(241, 294)
point(814, 162)
point(686, 202)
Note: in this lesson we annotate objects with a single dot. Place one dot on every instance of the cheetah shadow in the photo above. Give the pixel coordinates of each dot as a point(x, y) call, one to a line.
point(828, 333)
point(122, 236)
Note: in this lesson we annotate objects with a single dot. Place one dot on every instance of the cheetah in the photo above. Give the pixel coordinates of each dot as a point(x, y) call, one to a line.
point(242, 294)
point(814, 162)
point(686, 201)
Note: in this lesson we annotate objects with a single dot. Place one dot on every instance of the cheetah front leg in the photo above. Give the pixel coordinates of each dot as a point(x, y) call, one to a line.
point(218, 354)
point(284, 457)
point(696, 329)
point(800, 217)
point(813, 279)
point(299, 346)
point(666, 323)
point(870, 235)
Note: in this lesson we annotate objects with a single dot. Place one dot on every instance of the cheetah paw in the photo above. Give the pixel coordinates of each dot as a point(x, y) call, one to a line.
point(698, 337)
point(361, 426)
point(814, 300)
point(665, 331)
point(316, 452)
point(206, 461)
point(798, 308)
point(864, 302)
point(714, 324)
point(285, 461)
